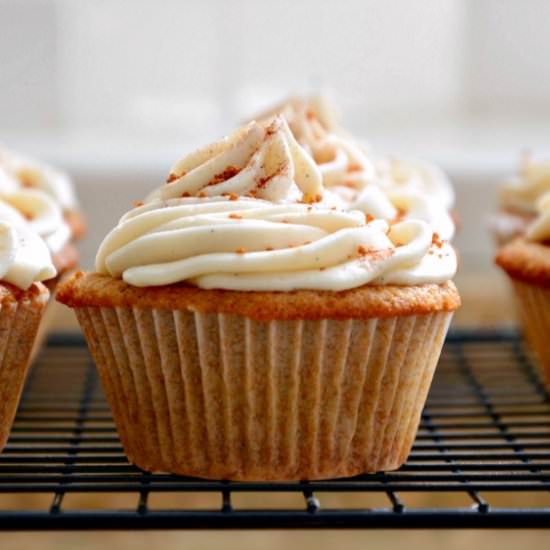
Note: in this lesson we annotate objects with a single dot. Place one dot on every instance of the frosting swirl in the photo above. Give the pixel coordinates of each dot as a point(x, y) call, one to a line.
point(40, 213)
point(384, 189)
point(417, 176)
point(252, 244)
point(18, 171)
point(261, 160)
point(24, 258)
point(522, 192)
point(539, 229)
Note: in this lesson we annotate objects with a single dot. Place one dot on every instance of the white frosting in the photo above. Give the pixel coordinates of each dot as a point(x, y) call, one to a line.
point(539, 230)
point(40, 213)
point(24, 258)
point(251, 244)
point(410, 189)
point(417, 176)
point(19, 171)
point(522, 192)
point(261, 160)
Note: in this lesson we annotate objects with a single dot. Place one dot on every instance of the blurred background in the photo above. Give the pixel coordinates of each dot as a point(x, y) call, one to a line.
point(114, 91)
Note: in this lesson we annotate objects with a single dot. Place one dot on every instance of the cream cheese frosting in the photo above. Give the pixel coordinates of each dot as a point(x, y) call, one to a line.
point(539, 229)
point(415, 175)
point(522, 192)
point(252, 244)
point(19, 171)
point(261, 160)
point(41, 213)
point(24, 257)
point(413, 189)
point(251, 213)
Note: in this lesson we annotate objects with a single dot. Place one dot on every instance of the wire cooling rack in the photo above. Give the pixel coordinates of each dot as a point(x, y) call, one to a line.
point(481, 458)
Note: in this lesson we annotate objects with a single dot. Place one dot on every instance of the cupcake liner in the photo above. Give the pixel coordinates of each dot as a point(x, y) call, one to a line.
point(19, 322)
point(223, 396)
point(534, 306)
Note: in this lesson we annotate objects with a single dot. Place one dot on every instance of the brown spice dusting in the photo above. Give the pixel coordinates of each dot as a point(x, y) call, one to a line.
point(137, 204)
point(399, 216)
point(322, 268)
point(27, 216)
point(369, 217)
point(240, 250)
point(174, 177)
point(228, 173)
point(361, 250)
point(307, 242)
point(185, 194)
point(307, 199)
point(310, 115)
point(436, 240)
point(354, 167)
point(201, 195)
point(233, 196)
point(234, 216)
point(269, 248)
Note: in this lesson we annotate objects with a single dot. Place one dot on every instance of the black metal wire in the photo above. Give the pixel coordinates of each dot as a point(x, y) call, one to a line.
point(485, 432)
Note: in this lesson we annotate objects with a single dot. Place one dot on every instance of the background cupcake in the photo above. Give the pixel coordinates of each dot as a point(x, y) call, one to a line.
point(244, 330)
point(518, 198)
point(24, 262)
point(527, 262)
point(19, 171)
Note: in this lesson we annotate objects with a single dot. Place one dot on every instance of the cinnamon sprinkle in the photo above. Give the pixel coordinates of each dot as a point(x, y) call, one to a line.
point(185, 194)
point(233, 196)
point(173, 177)
point(269, 248)
point(369, 217)
point(436, 240)
point(234, 216)
point(201, 195)
point(228, 173)
point(361, 250)
point(354, 167)
point(137, 204)
point(240, 250)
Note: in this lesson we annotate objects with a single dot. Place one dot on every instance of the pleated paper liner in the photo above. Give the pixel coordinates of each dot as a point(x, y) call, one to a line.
point(48, 319)
point(19, 322)
point(534, 306)
point(223, 396)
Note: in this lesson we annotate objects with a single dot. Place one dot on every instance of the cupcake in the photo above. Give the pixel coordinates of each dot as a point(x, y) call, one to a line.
point(24, 262)
point(526, 260)
point(356, 179)
point(518, 198)
point(244, 330)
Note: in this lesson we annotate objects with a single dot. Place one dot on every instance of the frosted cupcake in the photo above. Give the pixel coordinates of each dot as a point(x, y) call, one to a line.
point(24, 262)
point(518, 198)
point(527, 262)
point(242, 330)
point(356, 179)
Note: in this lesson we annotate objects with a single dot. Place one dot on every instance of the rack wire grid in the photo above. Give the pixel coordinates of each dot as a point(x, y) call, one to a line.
point(481, 458)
